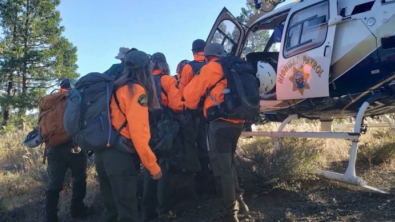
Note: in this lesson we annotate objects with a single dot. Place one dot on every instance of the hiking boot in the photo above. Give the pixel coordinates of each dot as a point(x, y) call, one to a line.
point(243, 208)
point(167, 217)
point(81, 212)
point(51, 205)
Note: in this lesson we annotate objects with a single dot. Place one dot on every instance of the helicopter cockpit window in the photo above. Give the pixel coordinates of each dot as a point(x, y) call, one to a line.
point(307, 29)
point(227, 34)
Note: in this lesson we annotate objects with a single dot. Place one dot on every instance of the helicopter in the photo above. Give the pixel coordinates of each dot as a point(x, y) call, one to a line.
point(318, 59)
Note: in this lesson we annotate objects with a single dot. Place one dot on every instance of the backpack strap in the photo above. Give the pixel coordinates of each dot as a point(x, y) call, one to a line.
point(117, 102)
point(208, 91)
point(161, 88)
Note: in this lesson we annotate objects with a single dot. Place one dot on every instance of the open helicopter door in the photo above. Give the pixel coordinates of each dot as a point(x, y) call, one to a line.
point(227, 32)
point(306, 50)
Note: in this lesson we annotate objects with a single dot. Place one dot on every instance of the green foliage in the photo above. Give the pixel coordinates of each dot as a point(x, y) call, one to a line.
point(257, 40)
point(33, 54)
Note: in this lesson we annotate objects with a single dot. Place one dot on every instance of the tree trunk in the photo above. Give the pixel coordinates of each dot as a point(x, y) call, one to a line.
point(22, 111)
point(7, 107)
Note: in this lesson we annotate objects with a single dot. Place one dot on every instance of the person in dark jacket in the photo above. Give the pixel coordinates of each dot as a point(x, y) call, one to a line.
point(117, 69)
point(61, 158)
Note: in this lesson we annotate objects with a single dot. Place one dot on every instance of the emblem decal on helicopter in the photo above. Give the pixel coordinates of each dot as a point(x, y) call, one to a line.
point(300, 80)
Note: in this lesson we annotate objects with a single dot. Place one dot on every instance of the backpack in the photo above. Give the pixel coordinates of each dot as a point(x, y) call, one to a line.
point(196, 66)
point(169, 137)
point(87, 116)
point(50, 122)
point(241, 97)
point(159, 89)
point(175, 140)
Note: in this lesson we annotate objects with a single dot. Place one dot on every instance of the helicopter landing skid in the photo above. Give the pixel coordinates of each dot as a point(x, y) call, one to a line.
point(349, 176)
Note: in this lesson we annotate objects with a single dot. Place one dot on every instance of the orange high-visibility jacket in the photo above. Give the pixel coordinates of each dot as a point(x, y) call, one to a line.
point(173, 98)
point(137, 129)
point(209, 75)
point(187, 73)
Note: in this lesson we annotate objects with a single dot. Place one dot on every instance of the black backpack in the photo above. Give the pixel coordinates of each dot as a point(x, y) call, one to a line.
point(241, 97)
point(196, 66)
point(170, 136)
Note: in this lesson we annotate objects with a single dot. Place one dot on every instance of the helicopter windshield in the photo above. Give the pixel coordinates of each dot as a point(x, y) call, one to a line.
point(265, 35)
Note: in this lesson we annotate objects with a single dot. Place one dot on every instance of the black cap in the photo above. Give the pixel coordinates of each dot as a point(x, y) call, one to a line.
point(198, 45)
point(158, 57)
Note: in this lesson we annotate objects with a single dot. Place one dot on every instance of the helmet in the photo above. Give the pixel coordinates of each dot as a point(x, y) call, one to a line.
point(266, 75)
point(33, 139)
point(214, 49)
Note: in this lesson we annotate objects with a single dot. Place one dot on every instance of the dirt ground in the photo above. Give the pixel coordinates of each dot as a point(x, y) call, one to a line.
point(316, 200)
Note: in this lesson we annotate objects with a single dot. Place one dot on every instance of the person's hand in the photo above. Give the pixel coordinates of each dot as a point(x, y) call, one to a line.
point(157, 176)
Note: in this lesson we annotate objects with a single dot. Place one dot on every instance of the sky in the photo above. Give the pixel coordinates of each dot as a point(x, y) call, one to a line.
point(99, 27)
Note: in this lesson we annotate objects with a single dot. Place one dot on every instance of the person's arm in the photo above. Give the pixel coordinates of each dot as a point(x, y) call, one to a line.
point(138, 124)
point(186, 77)
point(196, 89)
point(209, 75)
point(173, 94)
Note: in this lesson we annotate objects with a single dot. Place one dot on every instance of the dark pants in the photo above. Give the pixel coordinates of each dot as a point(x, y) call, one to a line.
point(202, 177)
point(60, 159)
point(118, 183)
point(158, 196)
point(223, 137)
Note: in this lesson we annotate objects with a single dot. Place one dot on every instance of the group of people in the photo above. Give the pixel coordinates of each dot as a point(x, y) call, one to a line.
point(143, 84)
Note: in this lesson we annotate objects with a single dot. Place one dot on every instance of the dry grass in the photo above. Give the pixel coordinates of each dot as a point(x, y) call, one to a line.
point(23, 176)
point(23, 182)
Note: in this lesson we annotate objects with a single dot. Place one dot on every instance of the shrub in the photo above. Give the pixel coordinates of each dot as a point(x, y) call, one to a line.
point(264, 169)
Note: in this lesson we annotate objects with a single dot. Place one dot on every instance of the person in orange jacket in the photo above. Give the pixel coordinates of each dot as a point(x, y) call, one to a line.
point(188, 72)
point(179, 69)
point(170, 96)
point(117, 169)
point(193, 67)
point(158, 195)
point(222, 134)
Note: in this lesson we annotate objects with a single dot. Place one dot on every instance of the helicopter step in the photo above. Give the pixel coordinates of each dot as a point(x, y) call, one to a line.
point(350, 175)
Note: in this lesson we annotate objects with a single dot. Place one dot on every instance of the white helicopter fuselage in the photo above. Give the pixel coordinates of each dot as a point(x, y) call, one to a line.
point(319, 61)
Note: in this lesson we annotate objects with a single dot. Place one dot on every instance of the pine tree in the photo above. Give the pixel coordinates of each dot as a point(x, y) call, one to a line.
point(34, 56)
point(256, 41)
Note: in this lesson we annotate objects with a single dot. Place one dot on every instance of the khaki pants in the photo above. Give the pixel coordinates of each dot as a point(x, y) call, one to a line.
point(222, 142)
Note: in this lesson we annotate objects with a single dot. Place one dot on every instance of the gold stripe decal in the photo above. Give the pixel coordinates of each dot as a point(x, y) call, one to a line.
point(366, 92)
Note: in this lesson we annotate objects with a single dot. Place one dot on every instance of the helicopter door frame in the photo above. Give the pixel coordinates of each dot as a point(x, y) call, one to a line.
point(223, 16)
point(306, 50)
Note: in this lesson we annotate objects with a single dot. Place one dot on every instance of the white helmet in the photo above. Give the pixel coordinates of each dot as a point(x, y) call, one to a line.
point(266, 75)
point(33, 139)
